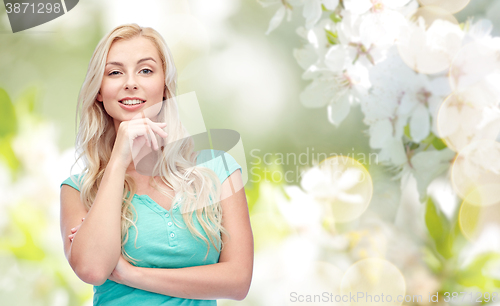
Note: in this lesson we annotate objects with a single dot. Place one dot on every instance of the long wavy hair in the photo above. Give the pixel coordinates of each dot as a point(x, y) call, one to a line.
point(195, 186)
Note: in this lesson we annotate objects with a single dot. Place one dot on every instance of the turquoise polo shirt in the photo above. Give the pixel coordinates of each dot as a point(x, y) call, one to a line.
point(164, 241)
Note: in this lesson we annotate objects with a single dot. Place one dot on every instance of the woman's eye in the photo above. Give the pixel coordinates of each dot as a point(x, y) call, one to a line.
point(113, 72)
point(146, 69)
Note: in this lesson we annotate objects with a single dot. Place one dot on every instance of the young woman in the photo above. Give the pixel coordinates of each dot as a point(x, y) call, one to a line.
point(154, 236)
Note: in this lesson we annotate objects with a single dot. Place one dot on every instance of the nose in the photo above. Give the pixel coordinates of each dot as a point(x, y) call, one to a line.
point(131, 83)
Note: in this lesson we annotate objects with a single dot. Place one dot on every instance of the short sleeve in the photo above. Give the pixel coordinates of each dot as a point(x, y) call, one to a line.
point(227, 166)
point(222, 163)
point(72, 181)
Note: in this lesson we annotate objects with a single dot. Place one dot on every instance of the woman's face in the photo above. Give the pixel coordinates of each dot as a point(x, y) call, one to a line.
point(133, 72)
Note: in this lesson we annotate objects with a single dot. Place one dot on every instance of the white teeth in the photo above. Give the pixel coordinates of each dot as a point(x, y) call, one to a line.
point(132, 102)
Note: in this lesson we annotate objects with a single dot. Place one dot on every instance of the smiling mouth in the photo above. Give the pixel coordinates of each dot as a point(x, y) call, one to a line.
point(132, 102)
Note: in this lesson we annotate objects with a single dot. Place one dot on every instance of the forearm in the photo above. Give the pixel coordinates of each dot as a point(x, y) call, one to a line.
point(207, 282)
point(96, 248)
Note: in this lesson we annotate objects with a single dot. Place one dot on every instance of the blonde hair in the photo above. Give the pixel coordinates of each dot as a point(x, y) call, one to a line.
point(195, 185)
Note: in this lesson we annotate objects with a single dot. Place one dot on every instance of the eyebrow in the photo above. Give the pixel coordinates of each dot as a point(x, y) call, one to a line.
point(138, 62)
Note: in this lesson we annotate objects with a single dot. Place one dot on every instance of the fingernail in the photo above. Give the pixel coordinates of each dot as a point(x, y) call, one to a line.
point(73, 228)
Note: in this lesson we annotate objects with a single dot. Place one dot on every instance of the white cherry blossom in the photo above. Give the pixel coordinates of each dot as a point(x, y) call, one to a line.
point(381, 28)
point(352, 86)
point(312, 56)
point(370, 52)
point(381, 23)
point(425, 166)
point(426, 96)
point(475, 61)
point(312, 10)
point(284, 9)
point(324, 184)
point(277, 19)
point(293, 210)
point(362, 6)
point(469, 115)
point(430, 50)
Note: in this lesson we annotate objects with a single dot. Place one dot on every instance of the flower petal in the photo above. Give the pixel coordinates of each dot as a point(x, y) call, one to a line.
point(350, 198)
point(312, 12)
point(318, 94)
point(306, 56)
point(311, 178)
point(330, 4)
point(335, 58)
point(339, 108)
point(420, 123)
point(357, 7)
point(349, 178)
point(276, 20)
point(380, 133)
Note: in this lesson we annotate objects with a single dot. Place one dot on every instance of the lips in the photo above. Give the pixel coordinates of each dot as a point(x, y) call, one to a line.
point(131, 101)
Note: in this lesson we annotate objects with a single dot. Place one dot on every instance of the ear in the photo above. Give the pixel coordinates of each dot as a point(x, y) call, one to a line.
point(99, 96)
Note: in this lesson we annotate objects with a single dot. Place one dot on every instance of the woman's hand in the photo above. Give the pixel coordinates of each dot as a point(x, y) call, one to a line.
point(123, 268)
point(74, 230)
point(131, 137)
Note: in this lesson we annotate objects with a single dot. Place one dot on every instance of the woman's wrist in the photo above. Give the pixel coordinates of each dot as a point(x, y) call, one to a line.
point(116, 164)
point(130, 275)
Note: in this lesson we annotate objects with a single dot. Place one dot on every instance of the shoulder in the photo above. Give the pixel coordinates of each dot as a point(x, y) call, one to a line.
point(74, 181)
point(222, 163)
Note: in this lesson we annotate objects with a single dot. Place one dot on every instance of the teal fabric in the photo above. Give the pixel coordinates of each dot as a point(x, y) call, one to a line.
point(164, 241)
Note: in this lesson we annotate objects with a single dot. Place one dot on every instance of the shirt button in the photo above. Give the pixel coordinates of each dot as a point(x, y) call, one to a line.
point(175, 208)
point(172, 235)
point(167, 214)
point(169, 223)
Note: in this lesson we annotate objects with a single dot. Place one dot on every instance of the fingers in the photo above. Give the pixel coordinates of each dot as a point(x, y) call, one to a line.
point(74, 230)
point(154, 141)
point(148, 134)
point(137, 146)
point(147, 128)
point(155, 127)
point(159, 130)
